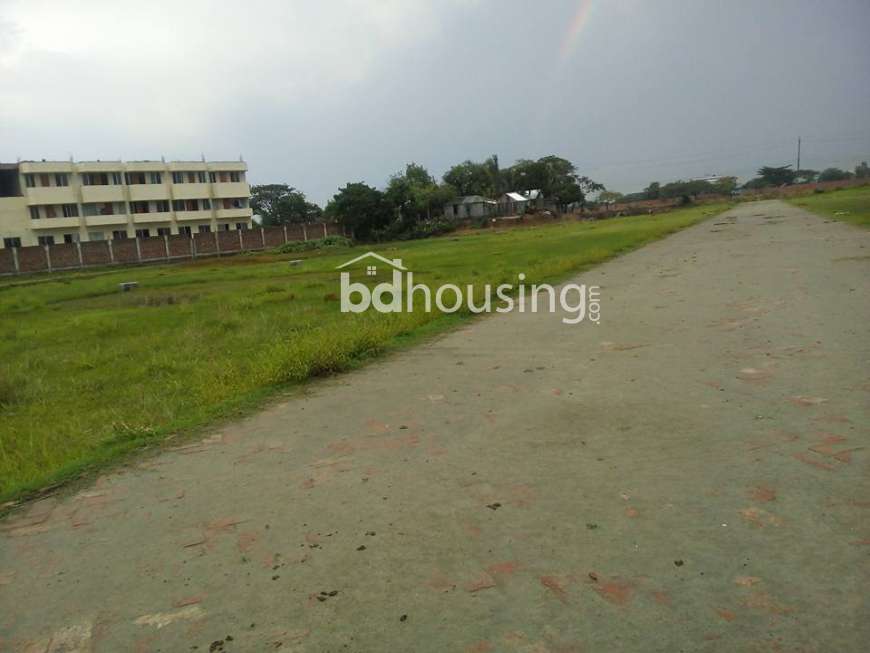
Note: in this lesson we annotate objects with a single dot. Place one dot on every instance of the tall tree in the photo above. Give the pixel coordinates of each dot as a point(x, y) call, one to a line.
point(282, 204)
point(653, 191)
point(362, 208)
point(415, 195)
point(776, 176)
point(470, 178)
point(834, 174)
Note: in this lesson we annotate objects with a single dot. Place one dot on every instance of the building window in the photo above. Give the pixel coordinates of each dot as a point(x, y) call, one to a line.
point(200, 176)
point(61, 179)
point(119, 235)
point(143, 233)
point(161, 206)
point(223, 177)
point(34, 213)
point(135, 178)
point(29, 181)
point(212, 177)
point(50, 211)
point(185, 231)
point(70, 210)
point(164, 231)
point(98, 178)
point(204, 228)
point(45, 240)
point(70, 238)
point(139, 207)
point(10, 243)
point(177, 205)
point(96, 235)
point(117, 179)
point(234, 176)
point(241, 226)
point(191, 205)
point(156, 178)
point(225, 226)
point(43, 180)
point(206, 205)
point(177, 178)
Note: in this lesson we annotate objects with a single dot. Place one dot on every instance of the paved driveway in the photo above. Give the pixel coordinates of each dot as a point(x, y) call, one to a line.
point(689, 475)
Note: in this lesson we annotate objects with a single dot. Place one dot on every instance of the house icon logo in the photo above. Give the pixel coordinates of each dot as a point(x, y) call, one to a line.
point(372, 270)
point(357, 297)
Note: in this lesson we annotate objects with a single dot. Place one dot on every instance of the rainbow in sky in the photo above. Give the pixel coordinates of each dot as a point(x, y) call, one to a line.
point(572, 38)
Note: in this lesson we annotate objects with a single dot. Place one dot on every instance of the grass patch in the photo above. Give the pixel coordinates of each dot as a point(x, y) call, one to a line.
point(88, 373)
point(849, 205)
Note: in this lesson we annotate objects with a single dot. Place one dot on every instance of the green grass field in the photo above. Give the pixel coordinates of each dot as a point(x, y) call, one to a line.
point(849, 205)
point(88, 373)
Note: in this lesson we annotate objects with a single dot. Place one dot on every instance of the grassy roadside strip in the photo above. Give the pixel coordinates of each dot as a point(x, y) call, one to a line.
point(88, 374)
point(849, 205)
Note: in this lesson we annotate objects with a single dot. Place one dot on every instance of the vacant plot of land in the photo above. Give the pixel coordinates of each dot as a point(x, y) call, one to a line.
point(87, 372)
point(687, 475)
point(850, 205)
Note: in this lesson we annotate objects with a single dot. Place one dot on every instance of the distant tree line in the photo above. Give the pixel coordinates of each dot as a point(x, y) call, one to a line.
point(769, 176)
point(413, 201)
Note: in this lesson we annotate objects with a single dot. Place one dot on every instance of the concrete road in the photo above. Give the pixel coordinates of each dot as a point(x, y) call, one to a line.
point(689, 475)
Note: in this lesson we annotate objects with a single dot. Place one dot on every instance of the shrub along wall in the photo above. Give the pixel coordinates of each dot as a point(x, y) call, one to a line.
point(67, 256)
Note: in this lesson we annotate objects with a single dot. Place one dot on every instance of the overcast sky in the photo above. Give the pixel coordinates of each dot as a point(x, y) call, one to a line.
point(319, 93)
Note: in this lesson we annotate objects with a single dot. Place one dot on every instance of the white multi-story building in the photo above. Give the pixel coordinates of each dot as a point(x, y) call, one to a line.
point(48, 202)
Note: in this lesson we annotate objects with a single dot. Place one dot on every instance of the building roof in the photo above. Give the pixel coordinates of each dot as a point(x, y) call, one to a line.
point(524, 196)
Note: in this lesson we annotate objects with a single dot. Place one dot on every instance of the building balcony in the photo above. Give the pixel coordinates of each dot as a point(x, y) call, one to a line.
point(51, 195)
point(105, 220)
point(144, 192)
point(47, 167)
point(102, 194)
point(231, 189)
point(227, 166)
point(100, 166)
point(181, 216)
point(189, 191)
point(55, 223)
point(147, 218)
point(225, 214)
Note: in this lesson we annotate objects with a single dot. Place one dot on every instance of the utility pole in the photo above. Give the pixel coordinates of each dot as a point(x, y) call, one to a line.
point(799, 154)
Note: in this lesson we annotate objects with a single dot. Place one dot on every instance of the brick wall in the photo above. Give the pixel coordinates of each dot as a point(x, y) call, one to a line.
point(204, 244)
point(274, 236)
point(125, 252)
point(252, 239)
point(64, 255)
point(152, 248)
point(96, 253)
point(32, 259)
point(179, 245)
point(7, 261)
point(229, 241)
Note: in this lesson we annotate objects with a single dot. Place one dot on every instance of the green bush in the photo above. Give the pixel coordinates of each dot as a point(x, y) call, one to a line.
point(330, 242)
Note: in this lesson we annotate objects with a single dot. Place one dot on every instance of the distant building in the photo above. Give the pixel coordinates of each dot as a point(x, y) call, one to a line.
point(517, 203)
point(48, 202)
point(470, 206)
